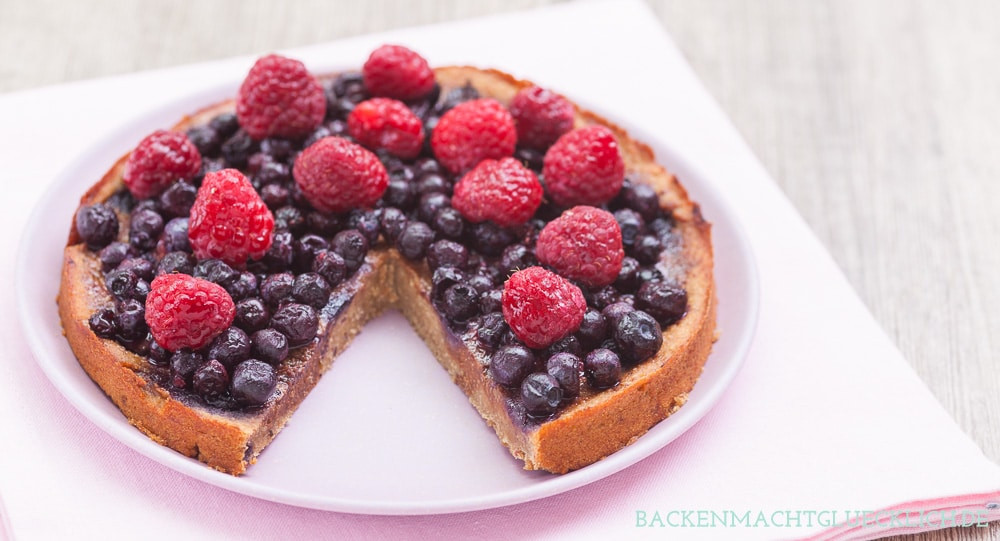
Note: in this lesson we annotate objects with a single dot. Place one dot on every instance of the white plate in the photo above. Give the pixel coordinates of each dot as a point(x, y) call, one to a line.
point(385, 431)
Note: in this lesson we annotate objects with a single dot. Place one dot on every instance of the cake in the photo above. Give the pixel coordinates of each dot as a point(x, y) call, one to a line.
point(558, 273)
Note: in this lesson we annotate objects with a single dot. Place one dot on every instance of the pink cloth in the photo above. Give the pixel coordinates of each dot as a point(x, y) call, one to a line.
point(825, 416)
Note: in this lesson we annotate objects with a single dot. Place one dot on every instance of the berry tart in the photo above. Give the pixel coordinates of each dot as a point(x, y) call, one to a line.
point(560, 276)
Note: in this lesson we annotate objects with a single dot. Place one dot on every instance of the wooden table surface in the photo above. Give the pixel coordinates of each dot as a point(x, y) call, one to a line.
point(880, 120)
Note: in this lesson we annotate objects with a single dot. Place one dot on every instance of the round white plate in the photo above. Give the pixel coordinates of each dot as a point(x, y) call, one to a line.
point(385, 431)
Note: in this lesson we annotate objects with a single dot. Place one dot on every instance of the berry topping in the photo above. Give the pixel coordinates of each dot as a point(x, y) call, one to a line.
point(228, 220)
point(565, 368)
point(584, 167)
point(97, 225)
point(584, 244)
point(280, 98)
point(541, 394)
point(414, 240)
point(298, 322)
point(638, 336)
point(511, 364)
point(541, 115)
point(664, 301)
point(603, 368)
point(337, 175)
point(253, 382)
point(541, 306)
point(210, 380)
point(503, 191)
point(159, 160)
point(397, 72)
point(187, 312)
point(383, 123)
point(472, 132)
point(269, 346)
point(103, 323)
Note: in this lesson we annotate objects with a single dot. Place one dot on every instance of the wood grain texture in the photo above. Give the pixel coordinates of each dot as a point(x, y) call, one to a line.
point(880, 120)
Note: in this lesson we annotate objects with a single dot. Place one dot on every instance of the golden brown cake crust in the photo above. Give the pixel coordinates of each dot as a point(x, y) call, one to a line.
point(588, 430)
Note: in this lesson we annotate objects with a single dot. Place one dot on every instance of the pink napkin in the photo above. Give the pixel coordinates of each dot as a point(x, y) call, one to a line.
point(825, 421)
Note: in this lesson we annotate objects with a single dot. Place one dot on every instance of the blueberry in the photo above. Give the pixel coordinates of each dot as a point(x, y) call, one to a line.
point(230, 347)
point(157, 354)
point(638, 336)
point(142, 267)
point(253, 382)
point(566, 369)
point(414, 240)
point(391, 223)
point(491, 239)
point(366, 222)
point(431, 203)
point(449, 223)
point(399, 193)
point(491, 330)
point(322, 224)
point(460, 302)
point(183, 364)
point(305, 250)
point(97, 225)
point(172, 262)
point(628, 276)
point(104, 323)
point(456, 96)
point(567, 344)
point(631, 224)
point(344, 81)
point(601, 297)
point(613, 312)
point(443, 278)
point(141, 290)
point(277, 287)
point(664, 301)
point(210, 380)
point(540, 394)
point(298, 322)
point(516, 257)
point(175, 236)
point(663, 227)
point(278, 149)
point(447, 253)
point(269, 346)
point(177, 199)
point(205, 139)
point(225, 124)
point(480, 282)
point(238, 148)
point(319, 133)
point(275, 196)
point(112, 254)
point(511, 364)
point(121, 283)
point(490, 301)
point(603, 368)
point(243, 286)
point(641, 198)
point(330, 266)
point(593, 329)
point(312, 289)
point(351, 245)
point(289, 218)
point(251, 314)
point(531, 158)
point(144, 229)
point(647, 249)
point(433, 182)
point(649, 274)
point(215, 271)
point(281, 253)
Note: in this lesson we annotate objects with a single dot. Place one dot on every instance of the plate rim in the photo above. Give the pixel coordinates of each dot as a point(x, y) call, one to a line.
point(31, 311)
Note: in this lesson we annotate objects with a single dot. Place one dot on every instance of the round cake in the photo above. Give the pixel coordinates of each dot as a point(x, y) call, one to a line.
point(558, 273)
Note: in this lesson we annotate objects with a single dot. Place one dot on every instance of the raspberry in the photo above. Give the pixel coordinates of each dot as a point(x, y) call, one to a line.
point(280, 98)
point(159, 160)
point(472, 132)
point(503, 191)
point(337, 175)
point(541, 307)
point(383, 123)
point(228, 220)
point(584, 244)
point(397, 72)
point(584, 167)
point(187, 312)
point(541, 115)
